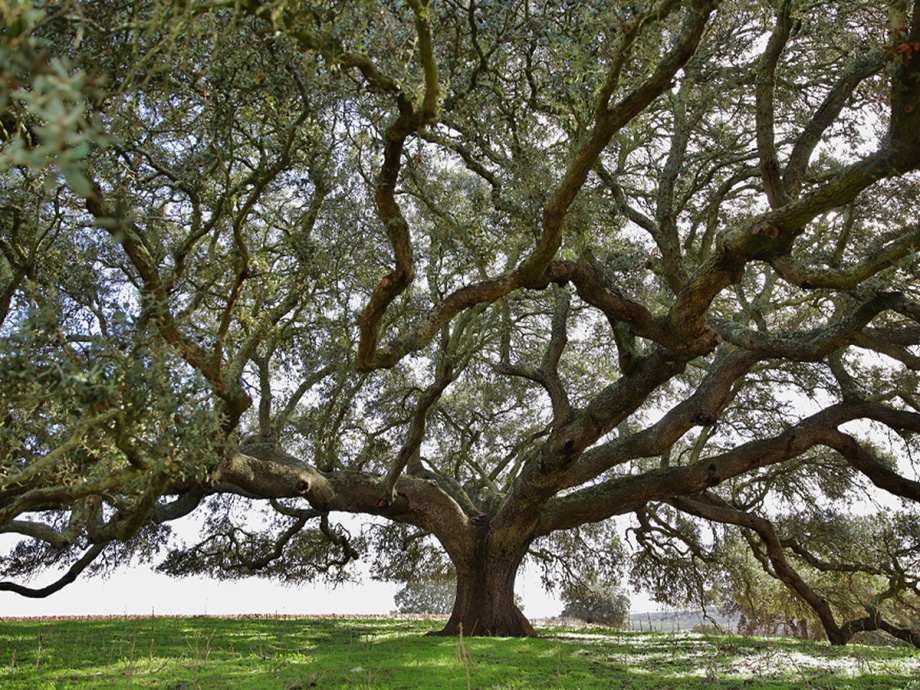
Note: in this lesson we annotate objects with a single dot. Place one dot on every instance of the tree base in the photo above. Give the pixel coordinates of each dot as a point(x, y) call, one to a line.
point(487, 624)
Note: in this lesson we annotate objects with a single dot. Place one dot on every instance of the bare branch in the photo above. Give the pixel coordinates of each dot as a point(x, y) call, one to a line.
point(69, 577)
point(850, 277)
point(416, 432)
point(713, 508)
point(766, 78)
point(826, 114)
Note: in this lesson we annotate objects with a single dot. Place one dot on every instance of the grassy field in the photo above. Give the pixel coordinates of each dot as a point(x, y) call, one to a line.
point(299, 653)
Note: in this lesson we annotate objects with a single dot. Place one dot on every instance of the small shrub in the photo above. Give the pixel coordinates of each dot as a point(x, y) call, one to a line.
point(596, 605)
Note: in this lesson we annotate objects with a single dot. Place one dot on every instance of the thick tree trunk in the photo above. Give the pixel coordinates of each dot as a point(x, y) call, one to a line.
point(484, 604)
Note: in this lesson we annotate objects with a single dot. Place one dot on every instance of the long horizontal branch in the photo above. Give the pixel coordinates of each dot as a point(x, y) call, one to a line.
point(262, 470)
point(41, 497)
point(547, 471)
point(814, 345)
point(886, 347)
point(850, 277)
point(68, 577)
point(878, 472)
point(626, 493)
point(702, 408)
point(58, 539)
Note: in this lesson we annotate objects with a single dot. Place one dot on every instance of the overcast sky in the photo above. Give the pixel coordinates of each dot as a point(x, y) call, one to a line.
point(140, 591)
point(143, 592)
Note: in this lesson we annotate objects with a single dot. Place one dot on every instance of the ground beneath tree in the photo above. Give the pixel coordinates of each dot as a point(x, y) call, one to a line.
point(283, 652)
point(694, 655)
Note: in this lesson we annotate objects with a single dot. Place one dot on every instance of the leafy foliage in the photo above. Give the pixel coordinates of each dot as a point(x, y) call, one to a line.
point(425, 597)
point(593, 604)
point(505, 275)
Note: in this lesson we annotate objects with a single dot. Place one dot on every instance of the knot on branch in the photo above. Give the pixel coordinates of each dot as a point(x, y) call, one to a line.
point(705, 419)
point(397, 505)
point(262, 470)
point(712, 476)
point(480, 520)
point(771, 232)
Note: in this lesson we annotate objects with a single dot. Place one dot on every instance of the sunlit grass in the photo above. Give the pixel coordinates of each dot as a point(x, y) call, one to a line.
point(298, 653)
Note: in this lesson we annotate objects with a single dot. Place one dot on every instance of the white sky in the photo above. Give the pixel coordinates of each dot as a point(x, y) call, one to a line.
point(138, 590)
point(141, 591)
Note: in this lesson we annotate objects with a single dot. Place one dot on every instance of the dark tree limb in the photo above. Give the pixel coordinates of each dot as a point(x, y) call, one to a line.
point(875, 622)
point(826, 114)
point(397, 230)
point(850, 277)
point(765, 114)
point(185, 504)
point(58, 539)
point(905, 93)
point(702, 408)
point(886, 347)
point(826, 566)
point(711, 507)
point(277, 550)
point(878, 473)
point(69, 577)
point(815, 345)
point(261, 470)
point(624, 494)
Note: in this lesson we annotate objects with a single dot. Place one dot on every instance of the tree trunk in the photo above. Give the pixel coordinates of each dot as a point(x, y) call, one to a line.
point(484, 604)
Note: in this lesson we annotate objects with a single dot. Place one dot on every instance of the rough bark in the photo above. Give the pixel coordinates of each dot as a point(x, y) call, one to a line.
point(484, 604)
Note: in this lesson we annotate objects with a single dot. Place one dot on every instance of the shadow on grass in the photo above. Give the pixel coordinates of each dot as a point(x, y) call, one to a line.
point(280, 653)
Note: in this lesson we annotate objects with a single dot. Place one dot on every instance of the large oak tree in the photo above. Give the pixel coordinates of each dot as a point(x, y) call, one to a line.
point(494, 271)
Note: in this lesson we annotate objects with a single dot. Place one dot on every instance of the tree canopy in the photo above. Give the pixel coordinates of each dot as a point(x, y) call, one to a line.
point(495, 272)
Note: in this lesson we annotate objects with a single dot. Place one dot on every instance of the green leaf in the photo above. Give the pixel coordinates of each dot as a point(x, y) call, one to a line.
point(78, 182)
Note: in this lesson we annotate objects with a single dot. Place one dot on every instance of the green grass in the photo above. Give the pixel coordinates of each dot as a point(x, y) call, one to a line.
point(299, 653)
